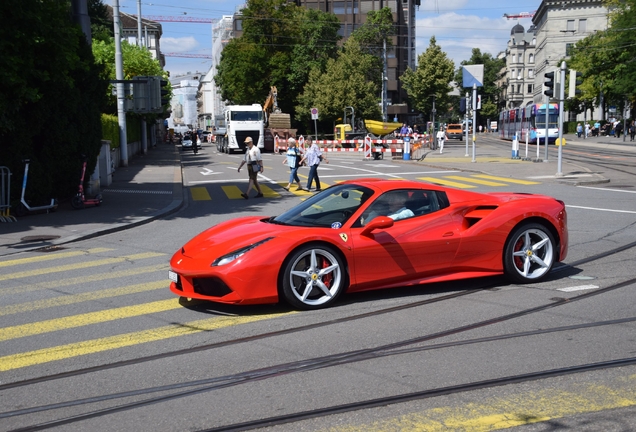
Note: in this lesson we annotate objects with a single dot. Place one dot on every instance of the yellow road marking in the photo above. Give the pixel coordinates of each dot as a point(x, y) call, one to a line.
point(52, 256)
point(514, 410)
point(31, 358)
point(78, 266)
point(436, 180)
point(268, 192)
point(472, 180)
point(80, 320)
point(200, 193)
point(82, 279)
point(232, 192)
point(504, 179)
point(82, 297)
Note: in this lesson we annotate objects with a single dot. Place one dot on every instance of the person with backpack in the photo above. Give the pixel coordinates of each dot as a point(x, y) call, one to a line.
point(293, 158)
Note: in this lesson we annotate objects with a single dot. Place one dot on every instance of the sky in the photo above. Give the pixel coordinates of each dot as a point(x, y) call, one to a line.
point(458, 26)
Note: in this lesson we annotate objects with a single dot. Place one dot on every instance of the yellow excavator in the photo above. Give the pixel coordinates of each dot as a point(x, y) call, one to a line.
point(274, 118)
point(277, 123)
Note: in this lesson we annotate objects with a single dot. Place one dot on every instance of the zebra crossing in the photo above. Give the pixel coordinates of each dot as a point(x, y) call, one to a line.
point(277, 190)
point(62, 305)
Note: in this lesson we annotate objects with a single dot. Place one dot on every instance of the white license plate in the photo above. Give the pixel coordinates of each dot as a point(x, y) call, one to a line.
point(174, 277)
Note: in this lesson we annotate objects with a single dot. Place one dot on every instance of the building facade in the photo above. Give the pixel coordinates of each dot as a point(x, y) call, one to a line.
point(151, 32)
point(211, 103)
point(517, 80)
point(184, 103)
point(559, 25)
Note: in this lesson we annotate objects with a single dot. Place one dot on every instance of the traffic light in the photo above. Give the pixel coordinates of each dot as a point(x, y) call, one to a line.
point(164, 92)
point(548, 85)
point(575, 81)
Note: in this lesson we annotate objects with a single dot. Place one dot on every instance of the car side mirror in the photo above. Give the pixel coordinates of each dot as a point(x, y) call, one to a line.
point(380, 222)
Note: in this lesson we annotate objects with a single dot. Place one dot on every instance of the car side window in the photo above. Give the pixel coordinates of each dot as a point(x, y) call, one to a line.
point(404, 204)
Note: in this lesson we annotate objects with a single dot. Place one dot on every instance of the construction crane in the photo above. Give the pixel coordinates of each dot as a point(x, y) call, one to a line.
point(159, 18)
point(520, 15)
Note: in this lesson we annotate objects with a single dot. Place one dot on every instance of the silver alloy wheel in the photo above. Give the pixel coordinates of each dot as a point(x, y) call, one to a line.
point(532, 253)
point(315, 277)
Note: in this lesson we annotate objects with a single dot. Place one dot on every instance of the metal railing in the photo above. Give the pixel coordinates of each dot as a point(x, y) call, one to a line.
point(5, 195)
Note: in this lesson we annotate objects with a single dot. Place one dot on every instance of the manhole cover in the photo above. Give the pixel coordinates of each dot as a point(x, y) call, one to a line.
point(39, 238)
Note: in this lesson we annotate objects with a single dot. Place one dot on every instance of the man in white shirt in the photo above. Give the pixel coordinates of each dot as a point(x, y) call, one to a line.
point(441, 137)
point(254, 167)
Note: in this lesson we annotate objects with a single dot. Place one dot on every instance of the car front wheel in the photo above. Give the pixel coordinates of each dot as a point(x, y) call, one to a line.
point(314, 277)
point(529, 253)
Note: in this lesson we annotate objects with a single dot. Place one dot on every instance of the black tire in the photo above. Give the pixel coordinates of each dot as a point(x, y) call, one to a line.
point(314, 277)
point(529, 253)
point(77, 202)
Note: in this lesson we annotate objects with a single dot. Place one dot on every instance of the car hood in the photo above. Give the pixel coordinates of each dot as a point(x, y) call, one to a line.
point(228, 236)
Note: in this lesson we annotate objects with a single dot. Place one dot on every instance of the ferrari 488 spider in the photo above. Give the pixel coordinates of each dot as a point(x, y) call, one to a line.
point(369, 234)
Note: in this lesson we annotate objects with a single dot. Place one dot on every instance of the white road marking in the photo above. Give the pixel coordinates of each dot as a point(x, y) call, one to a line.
point(604, 189)
point(578, 288)
point(601, 209)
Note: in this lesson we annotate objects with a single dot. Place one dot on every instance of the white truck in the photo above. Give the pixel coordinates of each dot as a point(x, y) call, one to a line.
point(242, 121)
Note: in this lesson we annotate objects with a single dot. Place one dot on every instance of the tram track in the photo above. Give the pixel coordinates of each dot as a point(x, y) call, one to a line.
point(339, 359)
point(396, 348)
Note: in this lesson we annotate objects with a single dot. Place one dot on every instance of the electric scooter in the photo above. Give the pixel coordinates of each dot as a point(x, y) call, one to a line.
point(79, 201)
point(24, 207)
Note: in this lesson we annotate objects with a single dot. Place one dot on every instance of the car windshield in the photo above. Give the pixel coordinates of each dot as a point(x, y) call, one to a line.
point(331, 208)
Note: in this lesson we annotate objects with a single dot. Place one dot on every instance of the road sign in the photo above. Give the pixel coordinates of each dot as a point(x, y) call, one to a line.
point(314, 113)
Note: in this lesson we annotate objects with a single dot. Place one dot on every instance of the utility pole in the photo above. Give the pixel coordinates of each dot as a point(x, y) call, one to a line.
point(119, 74)
point(144, 136)
point(561, 98)
point(385, 78)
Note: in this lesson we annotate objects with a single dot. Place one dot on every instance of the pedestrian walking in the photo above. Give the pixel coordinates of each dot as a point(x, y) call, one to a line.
point(254, 166)
point(587, 130)
point(314, 156)
point(579, 130)
point(441, 137)
point(293, 158)
point(632, 130)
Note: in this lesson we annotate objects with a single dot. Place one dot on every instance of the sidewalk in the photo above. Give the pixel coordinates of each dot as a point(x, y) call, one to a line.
point(151, 187)
point(494, 156)
point(148, 188)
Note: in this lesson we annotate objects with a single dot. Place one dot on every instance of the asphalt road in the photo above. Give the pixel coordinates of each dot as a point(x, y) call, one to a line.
point(107, 347)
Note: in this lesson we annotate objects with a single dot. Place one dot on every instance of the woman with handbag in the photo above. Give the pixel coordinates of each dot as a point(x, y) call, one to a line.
point(293, 158)
point(314, 156)
point(254, 166)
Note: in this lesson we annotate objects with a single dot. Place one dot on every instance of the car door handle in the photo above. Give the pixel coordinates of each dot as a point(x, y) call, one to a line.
point(448, 234)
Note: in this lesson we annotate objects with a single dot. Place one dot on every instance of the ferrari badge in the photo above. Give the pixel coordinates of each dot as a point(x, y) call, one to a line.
point(344, 237)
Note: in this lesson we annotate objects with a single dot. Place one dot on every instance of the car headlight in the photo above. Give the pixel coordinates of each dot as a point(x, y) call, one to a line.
point(226, 259)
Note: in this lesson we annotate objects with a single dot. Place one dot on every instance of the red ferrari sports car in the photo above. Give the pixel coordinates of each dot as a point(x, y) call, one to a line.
point(369, 234)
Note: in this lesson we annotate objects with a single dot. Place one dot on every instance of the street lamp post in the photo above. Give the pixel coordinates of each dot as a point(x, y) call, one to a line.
point(433, 143)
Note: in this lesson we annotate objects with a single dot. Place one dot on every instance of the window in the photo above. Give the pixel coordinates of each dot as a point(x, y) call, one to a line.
point(582, 25)
point(530, 73)
point(570, 25)
point(569, 47)
point(531, 58)
point(534, 41)
point(513, 74)
point(530, 88)
point(514, 58)
point(519, 88)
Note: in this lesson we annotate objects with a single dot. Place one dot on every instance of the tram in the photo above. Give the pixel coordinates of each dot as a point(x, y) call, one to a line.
point(530, 120)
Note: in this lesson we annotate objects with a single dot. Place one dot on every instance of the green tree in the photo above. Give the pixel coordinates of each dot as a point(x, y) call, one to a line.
point(280, 45)
point(344, 83)
point(317, 43)
point(372, 36)
point(101, 24)
point(52, 97)
point(432, 76)
point(489, 92)
point(137, 61)
point(261, 57)
point(606, 58)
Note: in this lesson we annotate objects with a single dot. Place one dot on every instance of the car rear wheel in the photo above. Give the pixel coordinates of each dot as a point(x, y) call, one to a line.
point(529, 253)
point(314, 277)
